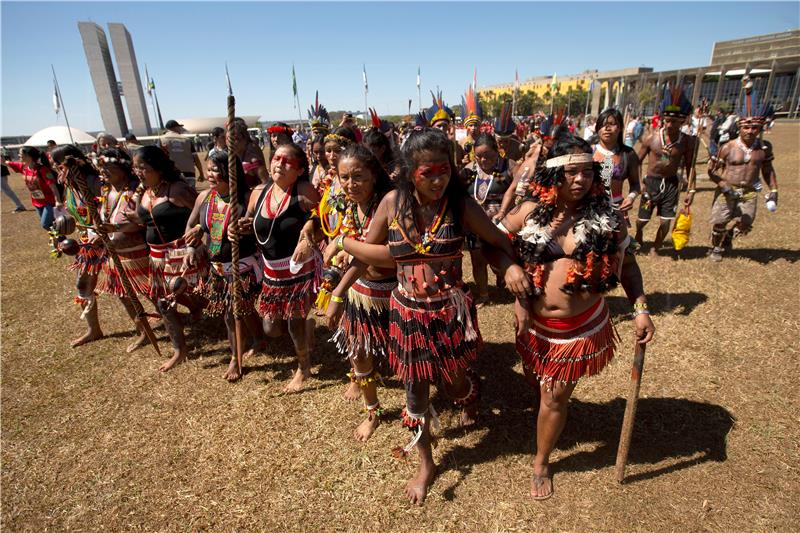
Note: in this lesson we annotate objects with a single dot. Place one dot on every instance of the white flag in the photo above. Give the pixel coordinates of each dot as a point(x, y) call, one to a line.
point(364, 72)
point(56, 103)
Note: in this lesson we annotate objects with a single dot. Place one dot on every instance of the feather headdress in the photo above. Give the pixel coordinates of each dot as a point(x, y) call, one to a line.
point(318, 119)
point(438, 111)
point(675, 103)
point(504, 124)
point(548, 127)
point(378, 123)
point(471, 111)
point(753, 111)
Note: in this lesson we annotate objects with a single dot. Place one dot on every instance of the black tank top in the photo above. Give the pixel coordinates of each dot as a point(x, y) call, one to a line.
point(167, 220)
point(279, 242)
point(247, 243)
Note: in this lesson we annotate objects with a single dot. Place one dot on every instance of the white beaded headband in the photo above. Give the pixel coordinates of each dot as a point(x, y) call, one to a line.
point(568, 159)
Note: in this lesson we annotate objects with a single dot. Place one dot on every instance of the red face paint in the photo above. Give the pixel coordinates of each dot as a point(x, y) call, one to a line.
point(432, 171)
point(289, 162)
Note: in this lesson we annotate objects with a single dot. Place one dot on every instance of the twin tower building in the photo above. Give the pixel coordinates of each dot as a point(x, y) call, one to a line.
point(109, 92)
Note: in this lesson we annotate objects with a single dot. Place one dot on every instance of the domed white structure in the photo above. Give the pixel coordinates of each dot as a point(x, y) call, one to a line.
point(60, 135)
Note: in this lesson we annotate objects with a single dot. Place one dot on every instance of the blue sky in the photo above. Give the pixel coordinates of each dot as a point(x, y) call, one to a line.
point(185, 46)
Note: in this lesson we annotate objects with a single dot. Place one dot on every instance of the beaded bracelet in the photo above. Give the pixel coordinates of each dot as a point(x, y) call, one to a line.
point(340, 242)
point(640, 312)
point(336, 299)
point(640, 306)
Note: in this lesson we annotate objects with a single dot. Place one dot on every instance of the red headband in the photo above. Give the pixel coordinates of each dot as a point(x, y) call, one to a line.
point(280, 129)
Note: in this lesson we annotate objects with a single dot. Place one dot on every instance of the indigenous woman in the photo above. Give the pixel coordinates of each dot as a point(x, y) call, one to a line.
point(433, 329)
point(164, 211)
point(209, 219)
point(121, 194)
point(471, 117)
point(319, 163)
point(488, 180)
point(40, 181)
point(572, 242)
point(91, 254)
point(277, 214)
point(363, 330)
point(618, 161)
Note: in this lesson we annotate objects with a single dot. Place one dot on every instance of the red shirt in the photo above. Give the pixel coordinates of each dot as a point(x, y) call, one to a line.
point(38, 182)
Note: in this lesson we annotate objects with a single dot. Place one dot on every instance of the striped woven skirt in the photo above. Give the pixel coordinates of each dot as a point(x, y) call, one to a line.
point(166, 264)
point(285, 295)
point(216, 288)
point(136, 263)
point(564, 350)
point(430, 339)
point(364, 328)
point(89, 260)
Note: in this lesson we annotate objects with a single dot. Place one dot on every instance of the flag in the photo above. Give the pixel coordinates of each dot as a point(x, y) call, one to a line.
point(591, 85)
point(56, 102)
point(294, 83)
point(147, 82)
point(418, 78)
point(553, 84)
point(364, 72)
point(516, 80)
point(228, 79)
point(475, 80)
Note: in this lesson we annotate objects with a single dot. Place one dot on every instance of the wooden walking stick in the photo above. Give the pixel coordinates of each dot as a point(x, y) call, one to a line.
point(233, 209)
point(140, 319)
point(630, 411)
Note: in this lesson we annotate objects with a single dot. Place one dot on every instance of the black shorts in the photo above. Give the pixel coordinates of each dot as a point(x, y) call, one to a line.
point(662, 193)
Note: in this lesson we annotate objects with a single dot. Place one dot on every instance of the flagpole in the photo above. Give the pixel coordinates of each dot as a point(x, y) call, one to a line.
point(296, 96)
point(419, 91)
point(588, 97)
point(366, 90)
point(150, 94)
point(61, 101)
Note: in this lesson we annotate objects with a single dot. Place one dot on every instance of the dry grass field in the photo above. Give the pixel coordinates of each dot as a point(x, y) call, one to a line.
point(97, 439)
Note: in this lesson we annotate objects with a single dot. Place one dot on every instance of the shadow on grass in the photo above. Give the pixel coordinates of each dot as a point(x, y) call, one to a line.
point(665, 428)
point(762, 256)
point(679, 303)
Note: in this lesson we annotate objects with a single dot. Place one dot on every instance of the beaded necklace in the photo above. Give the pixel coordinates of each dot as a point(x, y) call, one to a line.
point(484, 187)
point(217, 221)
point(430, 232)
point(352, 224)
point(272, 215)
point(743, 147)
point(666, 149)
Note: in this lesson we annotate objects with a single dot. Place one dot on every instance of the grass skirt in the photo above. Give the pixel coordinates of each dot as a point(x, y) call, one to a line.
point(216, 288)
point(166, 264)
point(364, 328)
point(89, 260)
point(566, 349)
point(430, 339)
point(136, 263)
point(285, 295)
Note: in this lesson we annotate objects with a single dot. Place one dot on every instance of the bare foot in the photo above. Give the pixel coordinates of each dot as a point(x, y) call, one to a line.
point(542, 483)
point(417, 486)
point(88, 337)
point(298, 381)
point(366, 428)
point(178, 358)
point(353, 392)
point(138, 343)
point(481, 301)
point(233, 373)
point(653, 252)
point(259, 347)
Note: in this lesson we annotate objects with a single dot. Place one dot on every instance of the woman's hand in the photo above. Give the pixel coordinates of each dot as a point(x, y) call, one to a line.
point(517, 282)
point(330, 252)
point(190, 259)
point(334, 314)
point(96, 242)
point(645, 329)
point(194, 237)
point(244, 226)
point(522, 317)
point(303, 251)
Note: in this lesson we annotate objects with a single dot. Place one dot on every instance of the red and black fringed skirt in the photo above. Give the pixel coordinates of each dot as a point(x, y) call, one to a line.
point(564, 350)
point(364, 328)
point(166, 264)
point(285, 295)
point(136, 262)
point(89, 260)
point(430, 339)
point(216, 288)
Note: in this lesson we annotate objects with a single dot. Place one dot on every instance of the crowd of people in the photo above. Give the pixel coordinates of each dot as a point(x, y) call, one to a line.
point(368, 227)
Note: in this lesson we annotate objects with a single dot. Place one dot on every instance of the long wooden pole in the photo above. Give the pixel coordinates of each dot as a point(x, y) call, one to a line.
point(233, 207)
point(630, 411)
point(75, 176)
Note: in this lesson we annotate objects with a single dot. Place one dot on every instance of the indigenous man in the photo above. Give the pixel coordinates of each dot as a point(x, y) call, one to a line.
point(505, 134)
point(736, 170)
point(471, 117)
point(666, 149)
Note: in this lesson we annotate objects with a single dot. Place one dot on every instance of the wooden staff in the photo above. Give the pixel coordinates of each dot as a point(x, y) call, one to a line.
point(76, 176)
point(233, 208)
point(630, 411)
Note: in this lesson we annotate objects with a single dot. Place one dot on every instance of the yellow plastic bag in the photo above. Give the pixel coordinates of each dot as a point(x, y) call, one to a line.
point(682, 230)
